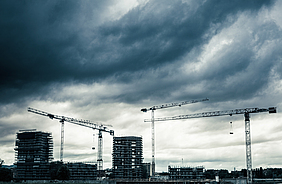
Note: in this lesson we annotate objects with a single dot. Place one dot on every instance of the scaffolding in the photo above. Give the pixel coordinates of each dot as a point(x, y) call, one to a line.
point(127, 157)
point(33, 152)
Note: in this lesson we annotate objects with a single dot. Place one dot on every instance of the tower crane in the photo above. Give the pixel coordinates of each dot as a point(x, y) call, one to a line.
point(152, 109)
point(86, 123)
point(246, 113)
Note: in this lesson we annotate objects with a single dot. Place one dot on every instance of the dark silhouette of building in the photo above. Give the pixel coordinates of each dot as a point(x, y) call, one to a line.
point(222, 173)
point(34, 151)
point(127, 157)
point(178, 172)
point(147, 170)
point(82, 171)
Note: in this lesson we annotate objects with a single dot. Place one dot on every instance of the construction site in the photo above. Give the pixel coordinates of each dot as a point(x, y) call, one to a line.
point(34, 154)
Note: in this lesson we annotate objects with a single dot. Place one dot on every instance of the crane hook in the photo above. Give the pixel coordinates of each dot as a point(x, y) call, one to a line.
point(231, 128)
point(93, 148)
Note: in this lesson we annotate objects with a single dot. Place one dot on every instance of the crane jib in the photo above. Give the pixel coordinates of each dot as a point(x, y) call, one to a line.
point(216, 113)
point(173, 105)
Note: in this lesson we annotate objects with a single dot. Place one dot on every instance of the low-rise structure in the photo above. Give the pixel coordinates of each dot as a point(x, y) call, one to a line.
point(82, 171)
point(147, 169)
point(182, 172)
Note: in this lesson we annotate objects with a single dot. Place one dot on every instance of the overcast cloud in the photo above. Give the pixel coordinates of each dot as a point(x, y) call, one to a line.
point(105, 60)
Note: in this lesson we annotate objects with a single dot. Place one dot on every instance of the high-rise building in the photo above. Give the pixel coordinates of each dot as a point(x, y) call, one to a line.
point(34, 151)
point(127, 157)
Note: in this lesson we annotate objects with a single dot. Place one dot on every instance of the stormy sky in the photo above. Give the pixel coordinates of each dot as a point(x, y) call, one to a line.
point(105, 60)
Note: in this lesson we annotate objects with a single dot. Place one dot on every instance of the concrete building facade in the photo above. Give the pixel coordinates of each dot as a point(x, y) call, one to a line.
point(34, 151)
point(127, 157)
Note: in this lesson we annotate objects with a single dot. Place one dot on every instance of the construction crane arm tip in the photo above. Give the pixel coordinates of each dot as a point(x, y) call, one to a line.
point(105, 125)
point(144, 110)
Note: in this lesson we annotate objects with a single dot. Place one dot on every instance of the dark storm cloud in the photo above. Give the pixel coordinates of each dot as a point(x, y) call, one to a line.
point(7, 129)
point(37, 38)
point(46, 42)
point(149, 39)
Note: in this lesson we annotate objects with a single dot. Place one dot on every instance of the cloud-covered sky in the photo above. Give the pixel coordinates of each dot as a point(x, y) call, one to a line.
point(105, 60)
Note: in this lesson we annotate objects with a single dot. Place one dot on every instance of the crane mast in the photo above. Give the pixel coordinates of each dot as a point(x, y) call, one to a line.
point(100, 151)
point(1, 162)
point(62, 139)
point(248, 148)
point(246, 113)
point(152, 109)
point(153, 144)
point(86, 123)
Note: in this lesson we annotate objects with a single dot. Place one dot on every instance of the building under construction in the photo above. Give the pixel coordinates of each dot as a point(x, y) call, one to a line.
point(82, 171)
point(127, 157)
point(34, 151)
point(178, 172)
